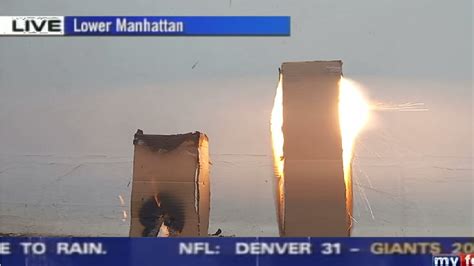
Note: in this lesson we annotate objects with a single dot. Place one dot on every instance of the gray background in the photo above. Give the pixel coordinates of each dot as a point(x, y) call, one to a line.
point(69, 107)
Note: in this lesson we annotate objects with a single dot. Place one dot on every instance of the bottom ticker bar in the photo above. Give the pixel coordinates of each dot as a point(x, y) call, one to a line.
point(236, 251)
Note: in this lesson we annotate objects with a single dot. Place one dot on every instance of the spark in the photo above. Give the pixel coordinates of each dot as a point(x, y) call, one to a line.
point(368, 206)
point(402, 107)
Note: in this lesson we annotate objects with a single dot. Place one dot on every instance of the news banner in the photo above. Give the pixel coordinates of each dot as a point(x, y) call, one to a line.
point(144, 26)
point(237, 251)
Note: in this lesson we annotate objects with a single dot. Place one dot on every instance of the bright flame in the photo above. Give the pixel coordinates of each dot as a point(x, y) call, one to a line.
point(276, 125)
point(353, 115)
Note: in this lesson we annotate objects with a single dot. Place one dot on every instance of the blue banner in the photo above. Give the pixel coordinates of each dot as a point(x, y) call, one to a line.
point(177, 26)
point(233, 251)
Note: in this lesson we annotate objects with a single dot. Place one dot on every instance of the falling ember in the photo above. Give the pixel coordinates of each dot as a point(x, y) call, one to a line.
point(276, 124)
point(124, 215)
point(122, 202)
point(353, 115)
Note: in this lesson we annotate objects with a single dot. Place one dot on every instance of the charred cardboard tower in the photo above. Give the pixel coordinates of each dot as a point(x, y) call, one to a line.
point(170, 189)
point(311, 192)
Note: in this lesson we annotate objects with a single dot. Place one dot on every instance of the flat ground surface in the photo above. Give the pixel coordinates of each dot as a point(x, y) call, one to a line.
point(80, 195)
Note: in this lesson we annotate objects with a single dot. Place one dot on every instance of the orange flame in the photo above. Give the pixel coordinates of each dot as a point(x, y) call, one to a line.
point(278, 139)
point(353, 115)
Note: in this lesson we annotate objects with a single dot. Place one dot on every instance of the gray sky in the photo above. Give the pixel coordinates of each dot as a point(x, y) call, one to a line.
point(89, 94)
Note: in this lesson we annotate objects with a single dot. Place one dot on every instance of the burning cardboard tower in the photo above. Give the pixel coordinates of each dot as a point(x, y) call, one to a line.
point(311, 190)
point(170, 192)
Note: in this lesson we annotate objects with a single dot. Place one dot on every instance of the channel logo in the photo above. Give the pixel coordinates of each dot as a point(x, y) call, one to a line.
point(31, 25)
point(453, 260)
